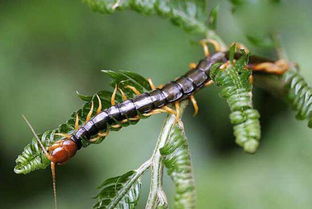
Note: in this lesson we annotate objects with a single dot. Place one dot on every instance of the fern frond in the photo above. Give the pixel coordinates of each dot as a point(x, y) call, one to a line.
point(300, 95)
point(177, 160)
point(187, 14)
point(119, 192)
point(32, 157)
point(237, 90)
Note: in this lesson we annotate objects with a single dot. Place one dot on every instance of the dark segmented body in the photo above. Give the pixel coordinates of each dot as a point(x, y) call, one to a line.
point(174, 91)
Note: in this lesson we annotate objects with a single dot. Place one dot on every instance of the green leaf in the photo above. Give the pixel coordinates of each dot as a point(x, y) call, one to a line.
point(275, 1)
point(187, 14)
point(178, 163)
point(119, 192)
point(299, 95)
point(265, 42)
point(32, 157)
point(237, 90)
point(232, 52)
point(238, 2)
point(212, 20)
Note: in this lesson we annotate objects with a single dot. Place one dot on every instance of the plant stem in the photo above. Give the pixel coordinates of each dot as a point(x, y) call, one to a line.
point(139, 172)
point(157, 195)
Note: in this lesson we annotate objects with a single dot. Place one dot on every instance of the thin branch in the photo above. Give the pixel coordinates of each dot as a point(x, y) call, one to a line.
point(139, 172)
point(157, 195)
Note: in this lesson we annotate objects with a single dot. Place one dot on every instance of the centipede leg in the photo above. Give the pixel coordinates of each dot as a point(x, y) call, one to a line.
point(137, 92)
point(99, 136)
point(90, 112)
point(99, 109)
point(217, 46)
point(134, 118)
point(194, 102)
point(113, 102)
point(151, 83)
point(251, 79)
point(170, 110)
point(279, 67)
point(77, 122)
point(178, 109)
point(157, 111)
point(123, 95)
point(192, 65)
point(63, 135)
point(116, 126)
point(209, 83)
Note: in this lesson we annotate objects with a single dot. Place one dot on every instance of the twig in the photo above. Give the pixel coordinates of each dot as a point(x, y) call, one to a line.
point(139, 172)
point(157, 195)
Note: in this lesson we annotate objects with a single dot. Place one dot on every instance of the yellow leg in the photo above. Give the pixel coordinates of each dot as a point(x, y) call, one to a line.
point(151, 83)
point(279, 67)
point(99, 136)
point(77, 122)
point(90, 112)
point(99, 109)
point(134, 118)
point(177, 107)
point(194, 102)
point(225, 65)
point(192, 65)
point(214, 43)
point(116, 126)
point(63, 135)
point(137, 92)
point(157, 111)
point(209, 83)
point(124, 121)
point(251, 79)
point(94, 139)
point(114, 96)
point(104, 133)
point(205, 48)
point(123, 95)
point(169, 110)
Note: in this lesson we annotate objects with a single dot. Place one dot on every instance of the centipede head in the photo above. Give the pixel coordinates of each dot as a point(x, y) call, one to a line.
point(58, 153)
point(61, 151)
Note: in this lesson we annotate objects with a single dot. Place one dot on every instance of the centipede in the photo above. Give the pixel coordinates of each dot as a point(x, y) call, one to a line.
point(163, 99)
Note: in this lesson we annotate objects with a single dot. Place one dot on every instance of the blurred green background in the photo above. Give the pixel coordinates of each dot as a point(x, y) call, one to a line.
point(50, 49)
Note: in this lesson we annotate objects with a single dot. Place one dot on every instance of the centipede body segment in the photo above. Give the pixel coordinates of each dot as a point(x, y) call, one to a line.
point(146, 104)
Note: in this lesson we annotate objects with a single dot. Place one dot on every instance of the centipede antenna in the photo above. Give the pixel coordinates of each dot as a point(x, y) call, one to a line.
point(53, 169)
point(36, 136)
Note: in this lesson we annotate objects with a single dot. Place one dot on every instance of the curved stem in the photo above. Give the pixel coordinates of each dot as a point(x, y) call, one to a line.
point(139, 172)
point(157, 195)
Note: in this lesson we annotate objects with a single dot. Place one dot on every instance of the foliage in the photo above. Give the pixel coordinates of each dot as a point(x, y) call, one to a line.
point(299, 95)
point(236, 89)
point(171, 149)
point(213, 18)
point(123, 191)
point(119, 192)
point(32, 158)
point(177, 160)
point(187, 14)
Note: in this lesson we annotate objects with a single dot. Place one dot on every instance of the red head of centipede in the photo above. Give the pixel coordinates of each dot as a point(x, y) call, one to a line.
point(62, 150)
